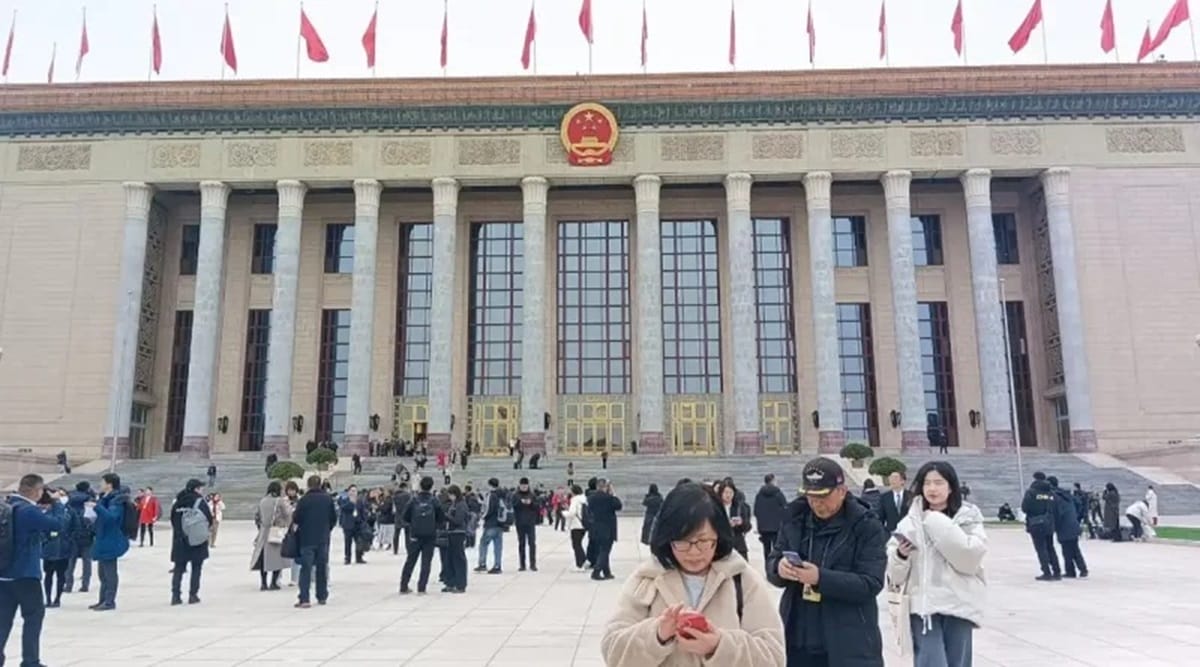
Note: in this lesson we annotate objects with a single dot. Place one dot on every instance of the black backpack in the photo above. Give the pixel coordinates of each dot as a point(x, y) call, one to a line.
point(129, 520)
point(7, 546)
point(424, 517)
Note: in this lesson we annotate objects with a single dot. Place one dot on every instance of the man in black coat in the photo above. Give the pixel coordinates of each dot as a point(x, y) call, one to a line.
point(313, 521)
point(423, 516)
point(830, 559)
point(400, 501)
point(353, 520)
point(1066, 526)
point(1040, 511)
point(184, 555)
point(770, 506)
point(603, 506)
point(528, 510)
point(894, 502)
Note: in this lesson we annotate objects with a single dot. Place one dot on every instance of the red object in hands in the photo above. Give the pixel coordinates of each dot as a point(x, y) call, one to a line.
point(692, 620)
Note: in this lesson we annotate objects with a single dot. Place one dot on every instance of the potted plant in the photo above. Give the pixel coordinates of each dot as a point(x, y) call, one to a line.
point(857, 453)
point(322, 457)
point(886, 465)
point(285, 471)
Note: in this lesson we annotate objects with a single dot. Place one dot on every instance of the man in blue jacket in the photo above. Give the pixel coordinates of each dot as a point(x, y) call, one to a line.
point(21, 581)
point(111, 542)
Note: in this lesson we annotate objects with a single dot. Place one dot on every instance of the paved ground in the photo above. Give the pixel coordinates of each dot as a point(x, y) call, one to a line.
point(1140, 608)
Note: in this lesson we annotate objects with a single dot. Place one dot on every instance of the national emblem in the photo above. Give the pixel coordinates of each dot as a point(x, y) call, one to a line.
point(589, 135)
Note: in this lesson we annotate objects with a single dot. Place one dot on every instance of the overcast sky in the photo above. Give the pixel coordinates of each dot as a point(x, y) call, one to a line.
point(486, 35)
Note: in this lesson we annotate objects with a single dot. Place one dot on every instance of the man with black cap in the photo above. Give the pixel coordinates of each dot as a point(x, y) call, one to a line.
point(830, 559)
point(527, 509)
point(1039, 508)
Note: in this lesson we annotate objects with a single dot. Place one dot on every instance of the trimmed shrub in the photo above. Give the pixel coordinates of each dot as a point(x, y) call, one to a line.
point(886, 465)
point(285, 470)
point(856, 451)
point(322, 458)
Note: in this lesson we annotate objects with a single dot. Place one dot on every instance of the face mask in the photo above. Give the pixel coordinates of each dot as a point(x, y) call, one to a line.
point(62, 501)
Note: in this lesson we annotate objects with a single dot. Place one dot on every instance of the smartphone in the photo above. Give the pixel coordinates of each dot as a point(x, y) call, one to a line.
point(690, 620)
point(793, 558)
point(903, 539)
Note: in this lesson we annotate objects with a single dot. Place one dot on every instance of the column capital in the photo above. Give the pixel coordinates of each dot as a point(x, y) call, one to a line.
point(896, 188)
point(213, 194)
point(818, 187)
point(534, 190)
point(366, 196)
point(291, 196)
point(1056, 183)
point(138, 197)
point(445, 195)
point(737, 190)
point(977, 184)
point(646, 189)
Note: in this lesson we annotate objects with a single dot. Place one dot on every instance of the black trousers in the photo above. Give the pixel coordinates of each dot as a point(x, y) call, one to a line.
point(577, 545)
point(799, 658)
point(196, 566)
point(314, 558)
point(1047, 556)
point(143, 529)
point(52, 569)
point(1072, 557)
point(600, 567)
point(396, 537)
point(1136, 533)
point(456, 561)
point(420, 548)
point(26, 595)
point(590, 552)
point(768, 542)
point(527, 535)
point(110, 580)
point(349, 540)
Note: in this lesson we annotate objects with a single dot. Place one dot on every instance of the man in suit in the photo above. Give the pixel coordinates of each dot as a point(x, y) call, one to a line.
point(894, 502)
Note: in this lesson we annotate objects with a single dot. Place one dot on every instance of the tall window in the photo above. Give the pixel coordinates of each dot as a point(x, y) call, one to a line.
point(773, 297)
point(691, 308)
point(181, 354)
point(927, 240)
point(262, 260)
point(593, 308)
point(413, 309)
point(937, 368)
point(189, 250)
point(850, 241)
point(333, 376)
point(339, 248)
point(1018, 348)
point(1005, 227)
point(494, 346)
point(254, 381)
point(859, 413)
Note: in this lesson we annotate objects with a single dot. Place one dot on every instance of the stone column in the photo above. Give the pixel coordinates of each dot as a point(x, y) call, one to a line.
point(904, 305)
point(651, 420)
point(129, 314)
point(206, 327)
point(1056, 183)
point(746, 423)
point(533, 331)
point(441, 351)
point(817, 188)
point(993, 373)
point(362, 316)
point(282, 335)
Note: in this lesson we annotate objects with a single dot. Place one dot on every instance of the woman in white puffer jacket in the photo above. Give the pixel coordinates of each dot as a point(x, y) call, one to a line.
point(937, 551)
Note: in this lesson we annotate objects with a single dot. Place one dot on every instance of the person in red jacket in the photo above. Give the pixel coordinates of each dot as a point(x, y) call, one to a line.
point(149, 511)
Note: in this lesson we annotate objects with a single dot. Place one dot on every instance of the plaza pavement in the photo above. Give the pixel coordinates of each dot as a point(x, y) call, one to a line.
point(1140, 608)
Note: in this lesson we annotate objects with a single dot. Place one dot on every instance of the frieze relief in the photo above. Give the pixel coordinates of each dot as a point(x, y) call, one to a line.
point(624, 152)
point(483, 152)
point(1145, 140)
point(175, 155)
point(935, 143)
point(1016, 141)
point(54, 157)
point(328, 153)
point(408, 152)
point(777, 146)
point(692, 147)
point(252, 154)
point(858, 144)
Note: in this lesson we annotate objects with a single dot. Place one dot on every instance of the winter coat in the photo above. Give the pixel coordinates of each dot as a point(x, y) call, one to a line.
point(110, 542)
point(739, 510)
point(1066, 521)
point(491, 518)
point(850, 550)
point(85, 531)
point(575, 512)
point(652, 502)
point(1112, 509)
point(1140, 511)
point(1039, 508)
point(277, 513)
point(527, 508)
point(631, 637)
point(944, 572)
point(352, 514)
point(60, 544)
point(314, 518)
point(149, 510)
point(770, 508)
point(400, 502)
point(30, 526)
point(603, 507)
point(872, 497)
point(458, 517)
point(181, 551)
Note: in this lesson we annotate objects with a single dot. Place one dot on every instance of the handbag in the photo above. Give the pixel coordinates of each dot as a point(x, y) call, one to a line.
point(276, 534)
point(290, 546)
point(899, 605)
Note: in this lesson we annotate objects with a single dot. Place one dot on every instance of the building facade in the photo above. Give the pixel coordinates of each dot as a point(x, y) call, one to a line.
point(771, 262)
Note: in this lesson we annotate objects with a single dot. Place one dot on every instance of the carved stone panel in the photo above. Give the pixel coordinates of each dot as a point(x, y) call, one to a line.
point(252, 154)
point(489, 151)
point(406, 152)
point(175, 155)
point(624, 152)
point(1141, 139)
point(54, 157)
point(329, 153)
point(1016, 141)
point(777, 146)
point(858, 144)
point(692, 147)
point(935, 143)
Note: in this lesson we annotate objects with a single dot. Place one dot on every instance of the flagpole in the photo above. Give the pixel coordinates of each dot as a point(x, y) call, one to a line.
point(645, 29)
point(79, 68)
point(11, 29)
point(375, 60)
point(298, 42)
point(1045, 43)
point(1192, 34)
point(153, 22)
point(224, 46)
point(445, 31)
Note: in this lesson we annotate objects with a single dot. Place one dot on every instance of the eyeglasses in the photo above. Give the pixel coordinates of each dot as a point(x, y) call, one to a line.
point(685, 546)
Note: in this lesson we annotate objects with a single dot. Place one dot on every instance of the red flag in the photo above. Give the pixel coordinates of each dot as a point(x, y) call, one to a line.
point(956, 27)
point(312, 41)
point(1108, 30)
point(1032, 20)
point(530, 37)
point(882, 29)
point(1147, 46)
point(1177, 16)
point(227, 49)
point(645, 34)
point(812, 37)
point(368, 40)
point(445, 35)
point(585, 20)
point(12, 31)
point(54, 54)
point(156, 46)
point(83, 46)
point(732, 33)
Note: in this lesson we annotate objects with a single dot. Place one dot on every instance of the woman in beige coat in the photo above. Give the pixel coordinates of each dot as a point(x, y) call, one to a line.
point(274, 513)
point(694, 569)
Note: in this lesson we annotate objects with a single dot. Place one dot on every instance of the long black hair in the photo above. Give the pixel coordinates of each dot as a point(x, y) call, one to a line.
point(943, 468)
point(684, 511)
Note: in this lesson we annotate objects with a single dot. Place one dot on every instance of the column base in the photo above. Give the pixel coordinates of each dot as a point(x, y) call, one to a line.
point(914, 441)
point(533, 443)
point(195, 447)
point(831, 442)
point(356, 443)
point(747, 444)
point(652, 443)
point(1084, 442)
point(277, 445)
point(106, 450)
point(999, 442)
point(437, 442)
